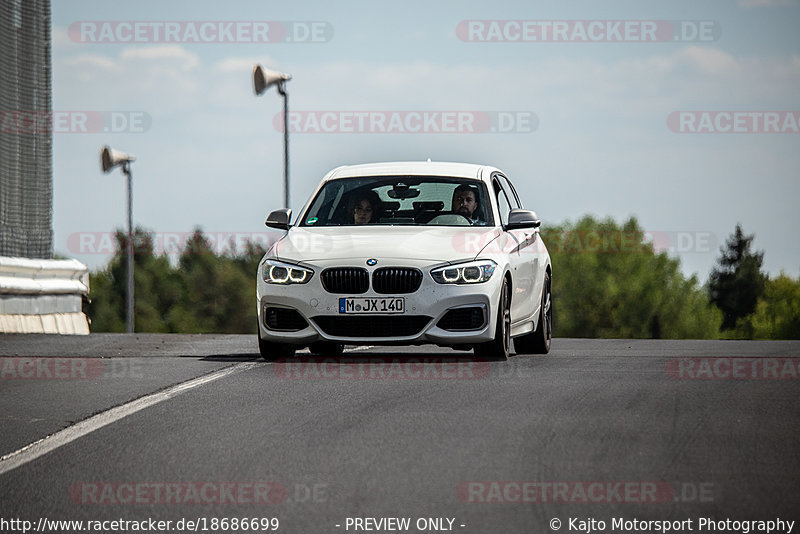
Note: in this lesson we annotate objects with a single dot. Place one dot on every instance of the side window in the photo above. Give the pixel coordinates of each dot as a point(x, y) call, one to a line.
point(513, 191)
point(511, 194)
point(503, 206)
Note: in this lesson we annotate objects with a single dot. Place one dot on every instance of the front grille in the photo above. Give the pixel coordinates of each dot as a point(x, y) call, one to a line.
point(458, 319)
point(284, 319)
point(349, 280)
point(372, 326)
point(396, 280)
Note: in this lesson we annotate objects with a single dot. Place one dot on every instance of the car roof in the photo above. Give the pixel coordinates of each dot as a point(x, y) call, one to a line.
point(411, 168)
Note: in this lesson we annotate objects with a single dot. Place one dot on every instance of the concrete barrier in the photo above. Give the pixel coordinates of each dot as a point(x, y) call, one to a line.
point(43, 296)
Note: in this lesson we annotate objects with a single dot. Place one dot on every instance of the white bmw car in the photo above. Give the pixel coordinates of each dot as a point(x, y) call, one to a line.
point(407, 253)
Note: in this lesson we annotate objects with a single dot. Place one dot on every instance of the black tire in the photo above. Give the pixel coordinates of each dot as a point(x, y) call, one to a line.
point(273, 351)
point(538, 341)
point(498, 348)
point(326, 348)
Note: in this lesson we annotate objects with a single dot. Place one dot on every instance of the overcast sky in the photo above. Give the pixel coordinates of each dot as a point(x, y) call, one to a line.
point(597, 104)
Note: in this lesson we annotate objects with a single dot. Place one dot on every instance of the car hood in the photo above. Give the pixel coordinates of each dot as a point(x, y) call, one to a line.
point(436, 244)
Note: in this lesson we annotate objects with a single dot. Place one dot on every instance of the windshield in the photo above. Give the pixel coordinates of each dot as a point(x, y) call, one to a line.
point(400, 200)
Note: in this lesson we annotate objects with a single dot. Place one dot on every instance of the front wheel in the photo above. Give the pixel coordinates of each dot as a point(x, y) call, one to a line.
point(497, 349)
point(538, 341)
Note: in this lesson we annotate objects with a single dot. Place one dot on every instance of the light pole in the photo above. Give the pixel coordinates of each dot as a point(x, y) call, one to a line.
point(263, 79)
point(110, 158)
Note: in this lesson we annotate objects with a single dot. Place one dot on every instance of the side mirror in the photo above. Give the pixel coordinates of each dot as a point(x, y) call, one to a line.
point(279, 219)
point(519, 218)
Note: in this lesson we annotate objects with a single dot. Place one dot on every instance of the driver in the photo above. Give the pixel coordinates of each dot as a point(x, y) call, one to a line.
point(465, 202)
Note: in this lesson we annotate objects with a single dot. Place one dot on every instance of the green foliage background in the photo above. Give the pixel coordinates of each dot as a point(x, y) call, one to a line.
point(607, 283)
point(777, 314)
point(204, 293)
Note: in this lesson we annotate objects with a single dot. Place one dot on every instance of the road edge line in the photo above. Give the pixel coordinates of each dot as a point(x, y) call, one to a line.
point(34, 450)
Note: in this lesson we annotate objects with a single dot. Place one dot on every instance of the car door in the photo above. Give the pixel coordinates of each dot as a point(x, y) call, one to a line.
point(515, 240)
point(533, 252)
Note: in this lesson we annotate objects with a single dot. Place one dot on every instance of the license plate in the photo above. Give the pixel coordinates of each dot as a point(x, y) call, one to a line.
point(372, 305)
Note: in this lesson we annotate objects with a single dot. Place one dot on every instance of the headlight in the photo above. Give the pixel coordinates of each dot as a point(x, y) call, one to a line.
point(473, 272)
point(277, 272)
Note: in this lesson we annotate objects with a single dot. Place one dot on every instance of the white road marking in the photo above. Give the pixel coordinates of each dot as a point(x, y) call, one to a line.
point(50, 443)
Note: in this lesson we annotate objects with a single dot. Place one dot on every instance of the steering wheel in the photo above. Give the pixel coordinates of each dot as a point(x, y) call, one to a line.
point(451, 219)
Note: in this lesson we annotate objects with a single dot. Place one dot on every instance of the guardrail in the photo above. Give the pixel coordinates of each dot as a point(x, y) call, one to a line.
point(43, 296)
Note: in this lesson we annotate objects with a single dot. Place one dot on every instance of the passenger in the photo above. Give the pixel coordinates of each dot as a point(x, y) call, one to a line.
point(364, 208)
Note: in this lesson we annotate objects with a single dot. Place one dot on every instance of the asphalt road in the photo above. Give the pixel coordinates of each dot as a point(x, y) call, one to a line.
point(597, 429)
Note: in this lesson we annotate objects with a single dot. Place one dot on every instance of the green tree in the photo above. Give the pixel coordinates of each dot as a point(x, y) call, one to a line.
point(777, 314)
point(156, 288)
point(218, 291)
point(737, 282)
point(247, 262)
point(205, 293)
point(608, 282)
point(105, 309)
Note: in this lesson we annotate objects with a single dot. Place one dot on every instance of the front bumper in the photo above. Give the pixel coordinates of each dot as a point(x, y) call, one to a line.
point(424, 309)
